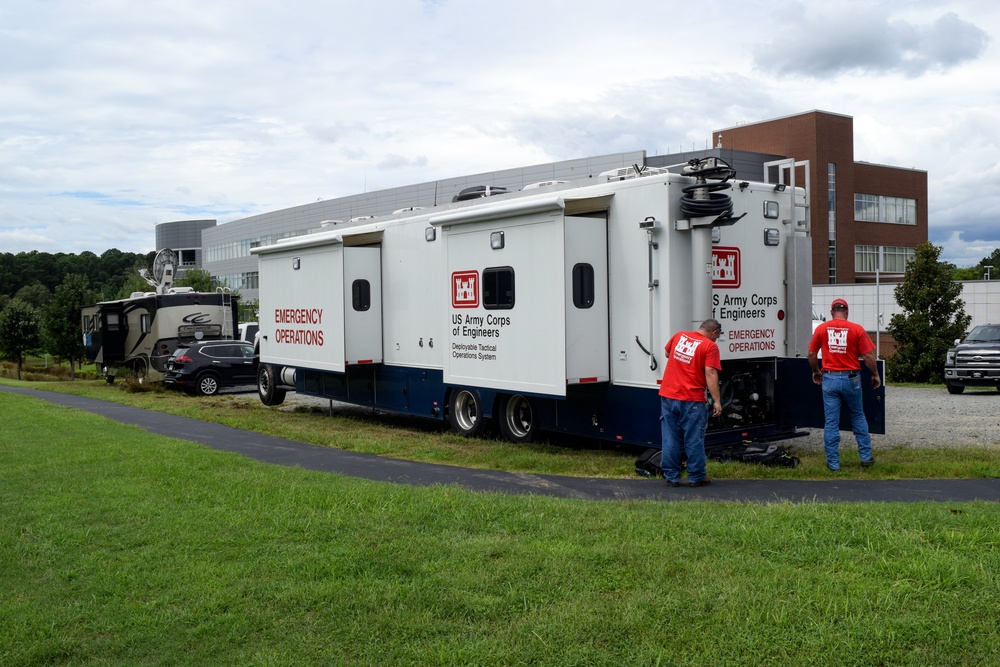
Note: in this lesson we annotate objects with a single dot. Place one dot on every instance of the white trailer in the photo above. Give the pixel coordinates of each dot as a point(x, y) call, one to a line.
point(138, 334)
point(548, 309)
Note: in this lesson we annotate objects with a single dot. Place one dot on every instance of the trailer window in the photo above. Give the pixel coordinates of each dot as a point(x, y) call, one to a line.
point(361, 295)
point(111, 320)
point(583, 285)
point(498, 288)
point(145, 323)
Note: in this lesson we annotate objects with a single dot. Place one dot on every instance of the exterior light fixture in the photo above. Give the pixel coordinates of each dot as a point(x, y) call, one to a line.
point(296, 263)
point(779, 187)
point(771, 210)
point(496, 240)
point(430, 234)
point(648, 223)
point(771, 236)
point(744, 185)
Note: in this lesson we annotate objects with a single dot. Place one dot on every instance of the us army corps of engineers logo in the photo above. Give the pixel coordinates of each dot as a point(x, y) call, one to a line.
point(685, 348)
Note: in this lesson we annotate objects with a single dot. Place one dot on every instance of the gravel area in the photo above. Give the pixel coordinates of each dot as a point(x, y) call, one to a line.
point(930, 417)
point(915, 417)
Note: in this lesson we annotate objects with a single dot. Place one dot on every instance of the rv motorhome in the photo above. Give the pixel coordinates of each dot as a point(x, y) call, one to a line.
point(138, 334)
point(548, 309)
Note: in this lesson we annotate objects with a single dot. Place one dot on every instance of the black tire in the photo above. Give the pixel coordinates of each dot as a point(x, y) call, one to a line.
point(267, 386)
point(518, 419)
point(208, 384)
point(465, 413)
point(110, 379)
point(954, 388)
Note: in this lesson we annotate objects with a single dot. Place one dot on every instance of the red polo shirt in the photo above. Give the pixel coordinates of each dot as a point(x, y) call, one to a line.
point(688, 353)
point(842, 342)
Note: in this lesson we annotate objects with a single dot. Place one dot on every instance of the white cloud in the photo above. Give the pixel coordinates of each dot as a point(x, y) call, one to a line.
point(117, 116)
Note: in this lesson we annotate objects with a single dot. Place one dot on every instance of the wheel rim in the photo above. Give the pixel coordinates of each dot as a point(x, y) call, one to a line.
point(466, 410)
point(518, 416)
point(209, 385)
point(264, 381)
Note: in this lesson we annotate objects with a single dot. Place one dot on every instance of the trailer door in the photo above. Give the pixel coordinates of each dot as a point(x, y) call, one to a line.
point(362, 305)
point(114, 329)
point(799, 402)
point(587, 335)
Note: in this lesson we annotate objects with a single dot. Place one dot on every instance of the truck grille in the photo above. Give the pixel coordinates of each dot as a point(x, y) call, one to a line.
point(979, 359)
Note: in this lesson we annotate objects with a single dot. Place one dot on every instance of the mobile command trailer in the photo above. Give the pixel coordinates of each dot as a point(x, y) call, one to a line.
point(138, 334)
point(548, 310)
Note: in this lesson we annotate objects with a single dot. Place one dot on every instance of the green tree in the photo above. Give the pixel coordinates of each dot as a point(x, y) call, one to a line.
point(967, 273)
point(20, 331)
point(37, 294)
point(61, 319)
point(933, 317)
point(200, 279)
point(130, 281)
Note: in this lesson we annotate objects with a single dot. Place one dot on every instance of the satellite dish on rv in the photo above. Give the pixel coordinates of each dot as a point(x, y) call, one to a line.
point(163, 269)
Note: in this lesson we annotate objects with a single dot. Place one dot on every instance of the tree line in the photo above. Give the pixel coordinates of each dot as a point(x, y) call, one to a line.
point(106, 273)
point(41, 295)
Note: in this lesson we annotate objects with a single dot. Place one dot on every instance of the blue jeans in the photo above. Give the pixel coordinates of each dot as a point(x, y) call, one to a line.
point(682, 425)
point(841, 389)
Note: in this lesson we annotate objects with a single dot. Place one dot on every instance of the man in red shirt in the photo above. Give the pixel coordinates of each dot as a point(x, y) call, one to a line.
point(692, 365)
point(842, 343)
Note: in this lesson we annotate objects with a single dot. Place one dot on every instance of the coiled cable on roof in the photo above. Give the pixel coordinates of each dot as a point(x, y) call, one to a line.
point(705, 199)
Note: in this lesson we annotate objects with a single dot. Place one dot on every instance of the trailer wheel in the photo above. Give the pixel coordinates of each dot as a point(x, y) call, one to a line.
point(955, 388)
point(518, 420)
point(208, 384)
point(465, 413)
point(267, 386)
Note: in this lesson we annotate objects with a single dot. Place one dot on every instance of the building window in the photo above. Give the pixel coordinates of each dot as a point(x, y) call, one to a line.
point(894, 258)
point(832, 249)
point(187, 258)
point(878, 208)
point(498, 288)
point(831, 188)
point(831, 213)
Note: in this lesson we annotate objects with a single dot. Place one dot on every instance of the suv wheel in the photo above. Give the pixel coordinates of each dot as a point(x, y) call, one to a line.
point(208, 384)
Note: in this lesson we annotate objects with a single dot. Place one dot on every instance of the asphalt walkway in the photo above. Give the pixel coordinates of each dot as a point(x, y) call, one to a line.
point(279, 451)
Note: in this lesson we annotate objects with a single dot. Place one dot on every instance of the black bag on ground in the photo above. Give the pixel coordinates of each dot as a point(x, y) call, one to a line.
point(648, 463)
point(765, 454)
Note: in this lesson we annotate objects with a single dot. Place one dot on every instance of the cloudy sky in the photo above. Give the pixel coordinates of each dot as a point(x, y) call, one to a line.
point(116, 115)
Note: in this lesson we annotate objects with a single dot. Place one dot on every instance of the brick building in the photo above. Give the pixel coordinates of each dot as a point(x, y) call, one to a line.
point(856, 208)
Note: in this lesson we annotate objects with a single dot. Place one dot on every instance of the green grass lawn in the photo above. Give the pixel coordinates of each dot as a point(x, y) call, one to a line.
point(124, 548)
point(425, 440)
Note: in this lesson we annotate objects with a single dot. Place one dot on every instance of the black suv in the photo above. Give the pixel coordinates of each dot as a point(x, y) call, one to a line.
point(205, 367)
point(974, 361)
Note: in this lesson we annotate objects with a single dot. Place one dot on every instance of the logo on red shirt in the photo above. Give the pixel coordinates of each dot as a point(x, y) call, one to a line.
point(685, 349)
point(836, 339)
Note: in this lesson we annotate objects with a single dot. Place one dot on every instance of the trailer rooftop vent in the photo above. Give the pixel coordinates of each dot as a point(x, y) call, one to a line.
point(477, 191)
point(625, 173)
point(542, 184)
